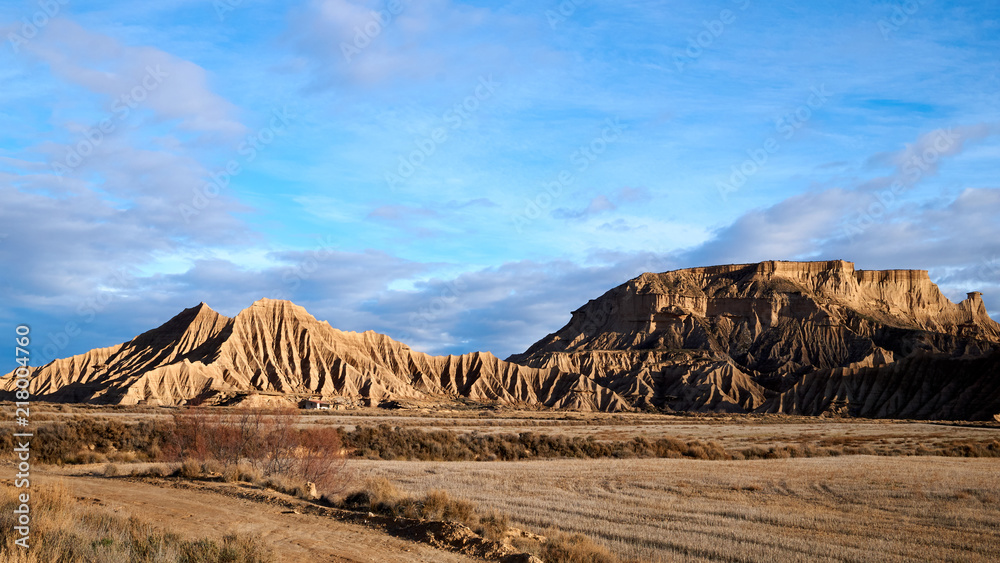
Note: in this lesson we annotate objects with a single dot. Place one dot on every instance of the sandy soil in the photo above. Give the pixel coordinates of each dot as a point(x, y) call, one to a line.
point(294, 537)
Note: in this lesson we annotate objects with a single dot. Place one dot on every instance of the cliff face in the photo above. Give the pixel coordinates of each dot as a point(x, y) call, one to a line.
point(738, 337)
point(276, 346)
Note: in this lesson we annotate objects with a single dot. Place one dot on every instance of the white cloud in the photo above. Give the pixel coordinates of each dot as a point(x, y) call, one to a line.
point(364, 44)
point(135, 78)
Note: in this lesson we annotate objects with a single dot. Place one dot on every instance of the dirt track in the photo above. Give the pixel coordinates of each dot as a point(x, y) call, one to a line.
point(294, 537)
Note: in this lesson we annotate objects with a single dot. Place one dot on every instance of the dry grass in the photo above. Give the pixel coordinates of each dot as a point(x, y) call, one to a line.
point(379, 495)
point(68, 531)
point(855, 508)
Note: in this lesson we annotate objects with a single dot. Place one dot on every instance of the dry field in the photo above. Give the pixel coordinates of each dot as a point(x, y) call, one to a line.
point(846, 508)
point(855, 508)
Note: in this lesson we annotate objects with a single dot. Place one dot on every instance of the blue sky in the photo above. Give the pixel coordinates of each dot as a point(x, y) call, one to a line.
point(462, 175)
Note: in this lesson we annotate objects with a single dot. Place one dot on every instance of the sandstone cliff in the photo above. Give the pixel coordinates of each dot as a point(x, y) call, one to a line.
point(276, 346)
point(796, 337)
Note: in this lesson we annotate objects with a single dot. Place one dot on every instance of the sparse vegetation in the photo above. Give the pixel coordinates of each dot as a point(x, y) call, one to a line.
point(736, 480)
point(399, 443)
point(66, 531)
point(389, 443)
point(572, 548)
point(87, 440)
point(265, 440)
point(224, 436)
point(378, 495)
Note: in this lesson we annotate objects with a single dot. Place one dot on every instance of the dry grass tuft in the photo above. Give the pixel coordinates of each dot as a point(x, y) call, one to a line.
point(574, 548)
point(190, 469)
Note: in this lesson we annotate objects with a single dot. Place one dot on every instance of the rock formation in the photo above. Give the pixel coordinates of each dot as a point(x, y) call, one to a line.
point(812, 338)
point(793, 337)
point(277, 347)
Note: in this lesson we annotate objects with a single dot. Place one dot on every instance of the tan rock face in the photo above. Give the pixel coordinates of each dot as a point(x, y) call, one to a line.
point(278, 347)
point(792, 337)
point(741, 337)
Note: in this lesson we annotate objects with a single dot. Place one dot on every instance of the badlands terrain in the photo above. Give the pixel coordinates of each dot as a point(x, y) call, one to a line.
point(789, 411)
point(808, 338)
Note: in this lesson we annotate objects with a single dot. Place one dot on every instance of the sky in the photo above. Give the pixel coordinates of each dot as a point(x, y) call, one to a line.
point(462, 175)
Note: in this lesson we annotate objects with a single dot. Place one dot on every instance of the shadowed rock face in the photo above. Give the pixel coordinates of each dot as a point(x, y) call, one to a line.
point(794, 337)
point(276, 346)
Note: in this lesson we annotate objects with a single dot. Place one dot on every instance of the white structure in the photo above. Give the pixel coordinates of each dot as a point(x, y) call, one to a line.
point(317, 404)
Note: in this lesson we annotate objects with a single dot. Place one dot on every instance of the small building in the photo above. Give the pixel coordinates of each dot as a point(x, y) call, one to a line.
point(316, 404)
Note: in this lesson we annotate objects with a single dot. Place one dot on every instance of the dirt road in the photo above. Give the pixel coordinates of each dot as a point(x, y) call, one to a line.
point(294, 537)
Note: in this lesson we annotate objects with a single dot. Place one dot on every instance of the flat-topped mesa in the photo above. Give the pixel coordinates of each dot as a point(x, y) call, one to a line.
point(711, 308)
point(737, 337)
point(773, 289)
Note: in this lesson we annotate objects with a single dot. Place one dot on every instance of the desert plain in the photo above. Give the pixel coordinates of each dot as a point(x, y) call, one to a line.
point(818, 489)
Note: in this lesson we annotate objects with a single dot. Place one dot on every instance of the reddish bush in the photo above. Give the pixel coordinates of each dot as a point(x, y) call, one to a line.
point(267, 440)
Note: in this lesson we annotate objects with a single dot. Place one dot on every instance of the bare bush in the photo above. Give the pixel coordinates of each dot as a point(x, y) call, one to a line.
point(261, 444)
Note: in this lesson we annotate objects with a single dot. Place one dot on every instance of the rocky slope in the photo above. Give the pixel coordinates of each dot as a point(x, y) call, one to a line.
point(276, 346)
point(794, 337)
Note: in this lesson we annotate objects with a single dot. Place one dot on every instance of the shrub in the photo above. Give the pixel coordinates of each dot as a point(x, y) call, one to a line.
point(112, 470)
point(288, 485)
point(155, 470)
point(574, 548)
point(190, 469)
point(385, 442)
point(437, 505)
point(212, 466)
point(374, 491)
point(493, 526)
point(248, 473)
point(162, 470)
point(86, 440)
point(265, 440)
point(231, 474)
